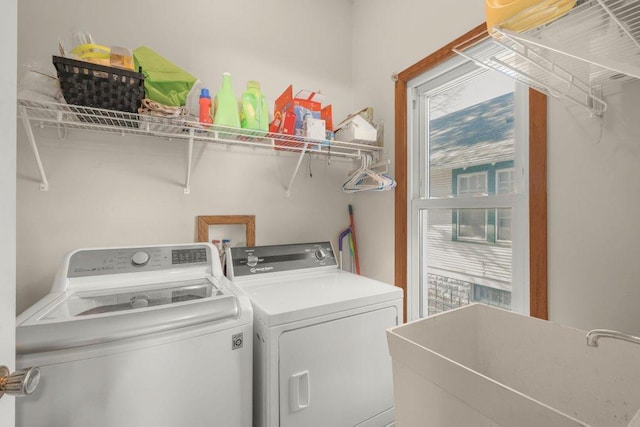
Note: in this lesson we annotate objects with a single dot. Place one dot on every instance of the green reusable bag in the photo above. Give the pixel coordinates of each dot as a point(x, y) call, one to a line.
point(164, 82)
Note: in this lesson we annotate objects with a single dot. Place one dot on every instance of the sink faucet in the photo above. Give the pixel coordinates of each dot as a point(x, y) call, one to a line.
point(594, 335)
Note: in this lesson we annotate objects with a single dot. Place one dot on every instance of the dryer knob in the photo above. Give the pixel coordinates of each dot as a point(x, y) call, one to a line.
point(140, 258)
point(252, 260)
point(320, 254)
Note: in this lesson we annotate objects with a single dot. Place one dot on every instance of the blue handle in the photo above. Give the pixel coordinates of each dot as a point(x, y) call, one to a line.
point(342, 236)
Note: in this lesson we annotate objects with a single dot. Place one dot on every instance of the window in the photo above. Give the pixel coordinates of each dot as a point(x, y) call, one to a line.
point(471, 224)
point(411, 257)
point(505, 183)
point(472, 184)
point(467, 144)
point(503, 225)
point(482, 225)
point(491, 296)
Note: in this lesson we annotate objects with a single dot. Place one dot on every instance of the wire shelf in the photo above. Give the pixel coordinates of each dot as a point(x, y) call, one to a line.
point(49, 114)
point(65, 116)
point(595, 44)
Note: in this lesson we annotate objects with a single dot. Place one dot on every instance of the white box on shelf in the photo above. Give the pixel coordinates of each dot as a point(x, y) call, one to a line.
point(356, 129)
point(314, 128)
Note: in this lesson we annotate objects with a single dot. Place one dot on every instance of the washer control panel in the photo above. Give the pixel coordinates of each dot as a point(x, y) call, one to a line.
point(98, 262)
point(261, 260)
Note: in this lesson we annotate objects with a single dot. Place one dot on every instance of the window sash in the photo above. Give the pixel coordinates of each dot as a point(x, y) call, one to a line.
point(418, 193)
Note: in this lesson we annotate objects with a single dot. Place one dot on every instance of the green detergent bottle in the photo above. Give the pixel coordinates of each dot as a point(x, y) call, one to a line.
point(255, 113)
point(226, 105)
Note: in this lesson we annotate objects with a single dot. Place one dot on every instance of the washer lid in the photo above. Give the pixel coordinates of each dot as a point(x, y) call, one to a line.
point(74, 319)
point(97, 302)
point(279, 300)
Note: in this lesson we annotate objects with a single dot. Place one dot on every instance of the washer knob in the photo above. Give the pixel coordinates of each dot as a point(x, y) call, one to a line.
point(252, 260)
point(140, 258)
point(320, 254)
point(20, 383)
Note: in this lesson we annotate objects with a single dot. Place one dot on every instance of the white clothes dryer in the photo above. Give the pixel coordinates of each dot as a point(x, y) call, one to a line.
point(139, 336)
point(320, 349)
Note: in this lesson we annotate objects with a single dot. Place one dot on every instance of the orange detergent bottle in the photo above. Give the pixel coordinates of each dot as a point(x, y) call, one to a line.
point(205, 106)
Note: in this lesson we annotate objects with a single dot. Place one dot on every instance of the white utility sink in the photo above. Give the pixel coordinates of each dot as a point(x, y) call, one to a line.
point(482, 366)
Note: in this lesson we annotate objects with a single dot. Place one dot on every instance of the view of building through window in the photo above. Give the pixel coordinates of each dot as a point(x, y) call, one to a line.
point(469, 160)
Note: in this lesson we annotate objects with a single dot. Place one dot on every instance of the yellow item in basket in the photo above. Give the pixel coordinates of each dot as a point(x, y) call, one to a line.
point(121, 57)
point(93, 53)
point(522, 15)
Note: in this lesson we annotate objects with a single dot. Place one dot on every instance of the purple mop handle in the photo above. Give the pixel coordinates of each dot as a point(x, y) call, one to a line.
point(342, 236)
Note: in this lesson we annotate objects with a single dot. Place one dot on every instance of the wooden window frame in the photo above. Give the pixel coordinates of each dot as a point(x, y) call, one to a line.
point(538, 306)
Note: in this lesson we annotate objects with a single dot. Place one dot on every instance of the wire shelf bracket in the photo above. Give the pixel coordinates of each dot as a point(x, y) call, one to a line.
point(44, 183)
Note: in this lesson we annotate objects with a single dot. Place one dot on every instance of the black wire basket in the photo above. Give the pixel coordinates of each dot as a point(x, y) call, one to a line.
point(98, 86)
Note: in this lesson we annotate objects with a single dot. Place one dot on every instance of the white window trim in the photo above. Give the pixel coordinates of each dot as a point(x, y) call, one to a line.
point(519, 202)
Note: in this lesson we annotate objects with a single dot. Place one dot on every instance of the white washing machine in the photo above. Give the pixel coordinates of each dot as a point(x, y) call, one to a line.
point(320, 350)
point(139, 336)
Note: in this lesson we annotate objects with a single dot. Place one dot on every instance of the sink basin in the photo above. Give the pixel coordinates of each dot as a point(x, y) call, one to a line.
point(483, 366)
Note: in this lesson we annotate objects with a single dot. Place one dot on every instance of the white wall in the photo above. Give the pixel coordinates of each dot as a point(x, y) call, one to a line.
point(111, 190)
point(593, 186)
point(8, 33)
point(389, 36)
point(594, 207)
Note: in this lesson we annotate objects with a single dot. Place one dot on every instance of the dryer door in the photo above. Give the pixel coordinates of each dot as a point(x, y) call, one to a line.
point(337, 373)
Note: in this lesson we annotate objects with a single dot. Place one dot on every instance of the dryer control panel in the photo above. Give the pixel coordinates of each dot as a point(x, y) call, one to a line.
point(262, 260)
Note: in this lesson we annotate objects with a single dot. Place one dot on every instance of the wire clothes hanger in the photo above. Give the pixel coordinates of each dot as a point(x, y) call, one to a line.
point(367, 178)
